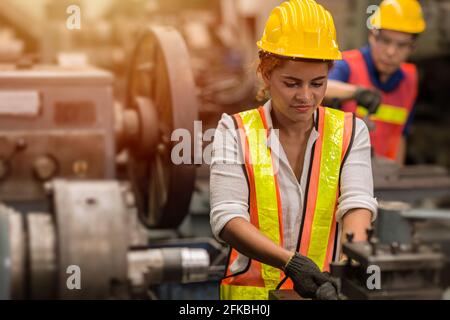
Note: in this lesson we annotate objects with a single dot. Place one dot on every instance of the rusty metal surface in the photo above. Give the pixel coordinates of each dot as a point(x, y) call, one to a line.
point(22, 184)
point(46, 75)
point(60, 125)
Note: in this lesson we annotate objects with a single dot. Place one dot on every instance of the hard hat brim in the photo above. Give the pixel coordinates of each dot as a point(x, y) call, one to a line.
point(283, 54)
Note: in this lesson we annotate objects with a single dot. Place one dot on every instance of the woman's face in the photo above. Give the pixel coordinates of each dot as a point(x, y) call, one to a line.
point(297, 88)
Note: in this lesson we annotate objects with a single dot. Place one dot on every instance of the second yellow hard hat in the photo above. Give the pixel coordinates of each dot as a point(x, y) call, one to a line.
point(301, 29)
point(399, 15)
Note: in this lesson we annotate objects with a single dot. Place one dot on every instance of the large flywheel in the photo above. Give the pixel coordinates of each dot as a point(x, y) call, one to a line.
point(162, 91)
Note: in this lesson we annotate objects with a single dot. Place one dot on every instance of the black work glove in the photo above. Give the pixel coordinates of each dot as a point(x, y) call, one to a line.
point(309, 281)
point(328, 291)
point(369, 99)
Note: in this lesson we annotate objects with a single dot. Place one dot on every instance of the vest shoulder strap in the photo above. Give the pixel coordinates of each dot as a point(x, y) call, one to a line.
point(411, 82)
point(351, 54)
point(409, 68)
point(410, 72)
point(359, 74)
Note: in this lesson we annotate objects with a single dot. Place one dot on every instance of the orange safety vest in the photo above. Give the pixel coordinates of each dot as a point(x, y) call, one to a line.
point(393, 113)
point(317, 236)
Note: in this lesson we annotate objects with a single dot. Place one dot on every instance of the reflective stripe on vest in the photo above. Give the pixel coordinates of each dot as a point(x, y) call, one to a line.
point(265, 187)
point(319, 223)
point(317, 242)
point(392, 115)
point(386, 113)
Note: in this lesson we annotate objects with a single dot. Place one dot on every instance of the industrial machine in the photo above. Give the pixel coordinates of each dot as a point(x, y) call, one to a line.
point(375, 270)
point(84, 180)
point(90, 234)
point(406, 256)
point(389, 271)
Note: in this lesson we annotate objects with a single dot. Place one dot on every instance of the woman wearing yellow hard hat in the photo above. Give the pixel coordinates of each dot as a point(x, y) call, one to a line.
point(376, 79)
point(288, 178)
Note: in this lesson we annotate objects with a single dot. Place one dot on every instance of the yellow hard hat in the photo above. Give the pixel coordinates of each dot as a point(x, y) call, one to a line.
point(399, 15)
point(301, 29)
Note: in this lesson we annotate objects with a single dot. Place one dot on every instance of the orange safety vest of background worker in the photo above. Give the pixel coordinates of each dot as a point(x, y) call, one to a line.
point(377, 80)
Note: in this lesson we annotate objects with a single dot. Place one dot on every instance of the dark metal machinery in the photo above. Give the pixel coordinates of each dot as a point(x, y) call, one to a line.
point(412, 184)
point(404, 271)
point(381, 271)
point(93, 229)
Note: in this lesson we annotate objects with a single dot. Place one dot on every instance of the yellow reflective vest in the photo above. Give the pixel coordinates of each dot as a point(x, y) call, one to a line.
point(317, 236)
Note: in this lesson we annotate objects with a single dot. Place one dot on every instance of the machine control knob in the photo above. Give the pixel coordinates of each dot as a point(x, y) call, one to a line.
point(369, 233)
point(45, 167)
point(350, 237)
point(395, 248)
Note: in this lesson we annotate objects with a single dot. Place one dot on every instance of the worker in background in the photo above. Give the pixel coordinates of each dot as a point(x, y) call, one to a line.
point(376, 79)
point(285, 174)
